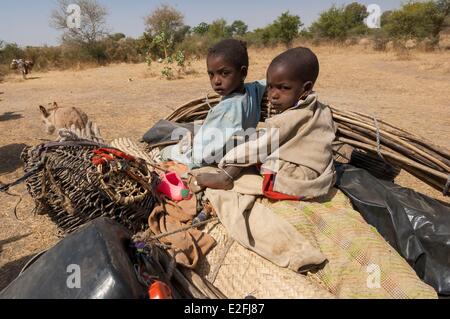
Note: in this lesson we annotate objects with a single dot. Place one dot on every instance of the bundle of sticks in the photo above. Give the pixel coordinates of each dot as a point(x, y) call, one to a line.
point(416, 155)
point(428, 162)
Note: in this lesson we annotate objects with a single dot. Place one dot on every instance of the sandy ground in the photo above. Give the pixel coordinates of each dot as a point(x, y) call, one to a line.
point(125, 100)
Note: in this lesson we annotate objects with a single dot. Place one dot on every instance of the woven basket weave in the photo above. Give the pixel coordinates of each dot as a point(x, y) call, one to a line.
point(239, 272)
point(361, 263)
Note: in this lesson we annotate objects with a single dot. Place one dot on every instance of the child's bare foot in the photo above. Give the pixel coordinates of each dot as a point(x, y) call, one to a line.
point(215, 181)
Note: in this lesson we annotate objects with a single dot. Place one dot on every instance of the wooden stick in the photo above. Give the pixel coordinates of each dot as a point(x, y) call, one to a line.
point(394, 146)
point(397, 131)
point(394, 138)
point(182, 229)
point(401, 159)
point(200, 283)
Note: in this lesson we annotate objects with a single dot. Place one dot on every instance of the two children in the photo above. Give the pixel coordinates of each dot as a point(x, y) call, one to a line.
point(239, 109)
point(300, 135)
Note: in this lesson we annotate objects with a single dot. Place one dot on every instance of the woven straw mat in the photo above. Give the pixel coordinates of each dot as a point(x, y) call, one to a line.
point(361, 263)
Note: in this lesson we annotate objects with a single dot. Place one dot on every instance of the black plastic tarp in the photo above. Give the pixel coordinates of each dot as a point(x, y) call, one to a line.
point(417, 226)
point(165, 131)
point(97, 254)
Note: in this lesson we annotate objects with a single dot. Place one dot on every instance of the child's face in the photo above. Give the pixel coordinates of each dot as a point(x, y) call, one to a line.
point(224, 77)
point(283, 89)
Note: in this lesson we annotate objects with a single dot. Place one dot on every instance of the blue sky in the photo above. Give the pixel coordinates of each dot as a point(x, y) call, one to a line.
point(26, 22)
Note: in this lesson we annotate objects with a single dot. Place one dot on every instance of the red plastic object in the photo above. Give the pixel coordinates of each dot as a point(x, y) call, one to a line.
point(173, 187)
point(159, 290)
point(104, 155)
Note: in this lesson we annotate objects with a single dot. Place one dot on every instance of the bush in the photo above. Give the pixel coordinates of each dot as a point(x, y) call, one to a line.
point(201, 29)
point(44, 57)
point(4, 70)
point(380, 39)
point(166, 29)
point(195, 45)
point(219, 30)
point(283, 30)
point(286, 28)
point(340, 23)
point(414, 20)
point(9, 52)
point(261, 37)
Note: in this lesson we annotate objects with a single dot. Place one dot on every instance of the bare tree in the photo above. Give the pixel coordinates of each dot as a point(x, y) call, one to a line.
point(92, 26)
point(164, 19)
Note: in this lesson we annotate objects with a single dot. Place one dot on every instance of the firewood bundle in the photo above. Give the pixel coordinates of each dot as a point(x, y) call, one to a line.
point(416, 155)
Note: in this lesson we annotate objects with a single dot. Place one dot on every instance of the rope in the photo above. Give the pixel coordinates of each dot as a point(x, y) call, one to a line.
point(17, 204)
point(179, 230)
point(5, 188)
point(378, 139)
point(207, 101)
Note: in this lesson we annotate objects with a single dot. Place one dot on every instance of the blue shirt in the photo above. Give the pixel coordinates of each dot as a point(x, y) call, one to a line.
point(235, 113)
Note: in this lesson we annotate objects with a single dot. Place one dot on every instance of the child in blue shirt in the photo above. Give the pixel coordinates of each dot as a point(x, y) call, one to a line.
point(239, 109)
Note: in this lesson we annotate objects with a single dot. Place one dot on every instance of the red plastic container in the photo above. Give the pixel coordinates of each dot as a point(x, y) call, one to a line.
point(173, 187)
point(159, 290)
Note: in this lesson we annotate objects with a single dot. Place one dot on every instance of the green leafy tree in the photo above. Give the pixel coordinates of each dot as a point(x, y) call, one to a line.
point(385, 17)
point(330, 25)
point(238, 27)
point(164, 41)
point(165, 25)
point(286, 28)
point(219, 29)
point(10, 51)
point(415, 20)
point(340, 23)
point(261, 37)
point(355, 14)
point(201, 29)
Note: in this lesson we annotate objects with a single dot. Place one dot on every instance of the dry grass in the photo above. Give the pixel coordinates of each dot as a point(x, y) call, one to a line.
point(411, 93)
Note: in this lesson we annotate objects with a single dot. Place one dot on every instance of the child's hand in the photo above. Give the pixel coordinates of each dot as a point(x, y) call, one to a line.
point(215, 181)
point(193, 184)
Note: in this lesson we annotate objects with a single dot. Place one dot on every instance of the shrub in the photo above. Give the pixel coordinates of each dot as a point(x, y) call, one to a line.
point(340, 23)
point(414, 20)
point(166, 29)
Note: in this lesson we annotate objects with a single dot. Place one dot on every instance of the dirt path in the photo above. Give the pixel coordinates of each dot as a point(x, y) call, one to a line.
point(125, 100)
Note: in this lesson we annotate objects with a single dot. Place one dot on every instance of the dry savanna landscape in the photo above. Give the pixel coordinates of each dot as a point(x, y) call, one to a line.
point(411, 91)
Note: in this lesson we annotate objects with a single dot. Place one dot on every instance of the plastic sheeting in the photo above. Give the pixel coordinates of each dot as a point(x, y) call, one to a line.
point(417, 226)
point(165, 131)
point(91, 263)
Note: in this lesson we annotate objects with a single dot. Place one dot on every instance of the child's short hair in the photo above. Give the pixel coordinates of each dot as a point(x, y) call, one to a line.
point(302, 62)
point(232, 50)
